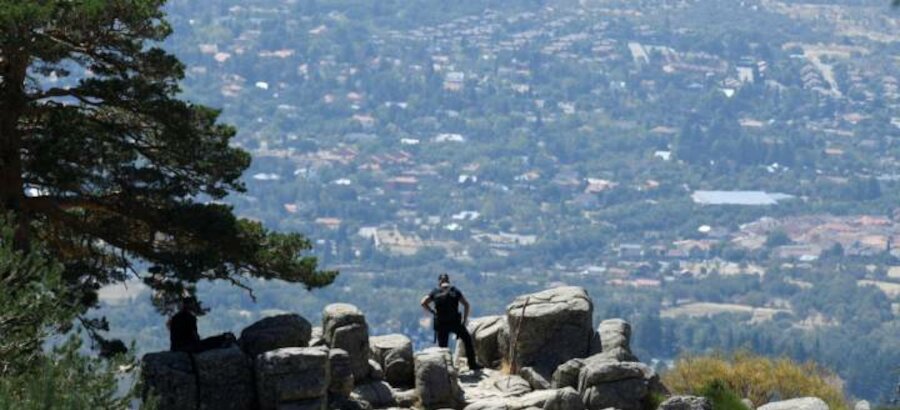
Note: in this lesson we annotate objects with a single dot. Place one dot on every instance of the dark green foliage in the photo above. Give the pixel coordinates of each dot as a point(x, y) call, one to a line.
point(32, 307)
point(721, 397)
point(777, 238)
point(108, 167)
point(32, 304)
point(64, 379)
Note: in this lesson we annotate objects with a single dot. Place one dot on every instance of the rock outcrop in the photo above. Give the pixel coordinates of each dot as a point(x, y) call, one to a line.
point(344, 327)
point(561, 363)
point(803, 403)
point(394, 353)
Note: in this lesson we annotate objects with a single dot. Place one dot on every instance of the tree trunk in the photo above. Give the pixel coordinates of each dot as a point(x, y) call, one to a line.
point(13, 103)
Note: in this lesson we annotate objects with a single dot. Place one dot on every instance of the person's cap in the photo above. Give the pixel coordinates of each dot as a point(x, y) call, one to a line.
point(443, 278)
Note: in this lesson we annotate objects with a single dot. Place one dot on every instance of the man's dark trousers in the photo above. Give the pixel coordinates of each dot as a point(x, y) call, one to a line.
point(443, 336)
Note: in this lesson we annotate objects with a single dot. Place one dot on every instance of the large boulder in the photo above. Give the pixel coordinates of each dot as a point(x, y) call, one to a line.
point(341, 377)
point(275, 332)
point(615, 333)
point(169, 379)
point(296, 376)
point(377, 393)
point(485, 333)
point(437, 381)
point(344, 327)
point(605, 383)
point(566, 375)
point(214, 379)
point(394, 353)
point(555, 328)
point(225, 378)
point(803, 403)
point(686, 403)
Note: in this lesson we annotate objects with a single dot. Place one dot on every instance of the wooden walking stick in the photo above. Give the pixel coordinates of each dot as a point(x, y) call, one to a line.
point(513, 365)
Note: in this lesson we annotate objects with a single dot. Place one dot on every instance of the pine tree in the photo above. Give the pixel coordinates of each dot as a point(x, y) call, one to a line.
point(103, 163)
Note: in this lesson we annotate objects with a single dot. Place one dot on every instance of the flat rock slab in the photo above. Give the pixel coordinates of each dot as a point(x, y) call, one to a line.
point(556, 399)
point(803, 403)
point(686, 403)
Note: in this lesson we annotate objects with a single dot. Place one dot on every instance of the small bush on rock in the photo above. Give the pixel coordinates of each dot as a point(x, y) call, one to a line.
point(722, 397)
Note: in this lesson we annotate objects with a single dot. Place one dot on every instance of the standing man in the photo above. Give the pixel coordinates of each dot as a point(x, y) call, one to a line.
point(447, 320)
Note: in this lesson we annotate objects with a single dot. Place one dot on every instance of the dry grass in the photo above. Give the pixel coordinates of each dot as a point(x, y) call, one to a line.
point(505, 367)
point(758, 378)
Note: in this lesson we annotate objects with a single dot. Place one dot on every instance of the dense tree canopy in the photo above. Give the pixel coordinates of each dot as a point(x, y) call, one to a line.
point(103, 163)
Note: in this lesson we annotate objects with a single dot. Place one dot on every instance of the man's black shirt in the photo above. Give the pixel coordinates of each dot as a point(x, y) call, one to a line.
point(446, 305)
point(183, 334)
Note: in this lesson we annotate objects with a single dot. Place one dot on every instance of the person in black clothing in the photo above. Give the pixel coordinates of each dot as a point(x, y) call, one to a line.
point(446, 299)
point(183, 336)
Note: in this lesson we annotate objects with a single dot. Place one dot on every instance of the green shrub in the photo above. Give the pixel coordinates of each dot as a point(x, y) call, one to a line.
point(722, 397)
point(757, 378)
point(65, 379)
point(33, 308)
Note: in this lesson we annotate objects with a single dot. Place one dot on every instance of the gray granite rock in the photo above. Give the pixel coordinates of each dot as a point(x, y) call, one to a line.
point(169, 379)
point(344, 327)
point(225, 379)
point(803, 403)
point(437, 381)
point(275, 332)
point(291, 375)
point(686, 403)
point(394, 353)
point(555, 328)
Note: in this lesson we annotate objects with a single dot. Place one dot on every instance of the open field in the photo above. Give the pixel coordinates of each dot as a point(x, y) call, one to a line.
point(705, 309)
